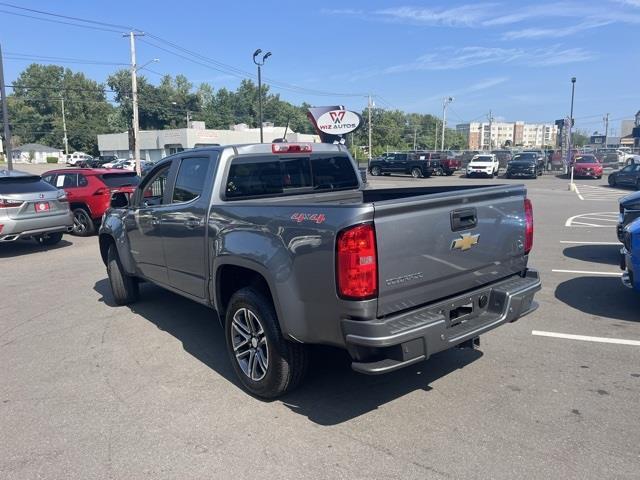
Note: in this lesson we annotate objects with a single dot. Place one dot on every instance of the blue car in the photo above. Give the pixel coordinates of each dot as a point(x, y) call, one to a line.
point(630, 260)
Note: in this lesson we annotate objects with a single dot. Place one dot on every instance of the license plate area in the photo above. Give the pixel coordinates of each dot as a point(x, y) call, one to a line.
point(41, 207)
point(463, 310)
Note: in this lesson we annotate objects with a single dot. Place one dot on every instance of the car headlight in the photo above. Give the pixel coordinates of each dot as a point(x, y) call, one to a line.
point(626, 240)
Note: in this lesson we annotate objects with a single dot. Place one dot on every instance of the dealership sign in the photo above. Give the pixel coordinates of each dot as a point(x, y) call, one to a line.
point(338, 122)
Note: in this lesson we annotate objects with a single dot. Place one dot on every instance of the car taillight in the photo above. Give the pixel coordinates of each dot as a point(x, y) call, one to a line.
point(10, 203)
point(291, 148)
point(101, 191)
point(357, 263)
point(528, 229)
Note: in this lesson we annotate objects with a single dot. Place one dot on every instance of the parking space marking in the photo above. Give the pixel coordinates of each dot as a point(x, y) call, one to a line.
point(598, 192)
point(586, 338)
point(593, 220)
point(585, 272)
point(574, 242)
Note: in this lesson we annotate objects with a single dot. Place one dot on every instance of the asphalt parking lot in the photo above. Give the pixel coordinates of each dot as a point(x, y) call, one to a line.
point(90, 390)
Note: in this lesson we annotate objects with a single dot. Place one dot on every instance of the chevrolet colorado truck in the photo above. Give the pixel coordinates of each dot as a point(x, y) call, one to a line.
point(283, 241)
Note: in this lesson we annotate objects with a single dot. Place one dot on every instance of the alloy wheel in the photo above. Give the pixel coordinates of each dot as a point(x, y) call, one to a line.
point(80, 222)
point(249, 343)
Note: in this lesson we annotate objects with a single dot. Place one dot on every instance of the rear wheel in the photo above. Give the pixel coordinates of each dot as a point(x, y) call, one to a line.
point(49, 239)
point(638, 184)
point(449, 173)
point(375, 171)
point(83, 225)
point(124, 287)
point(416, 172)
point(612, 180)
point(265, 362)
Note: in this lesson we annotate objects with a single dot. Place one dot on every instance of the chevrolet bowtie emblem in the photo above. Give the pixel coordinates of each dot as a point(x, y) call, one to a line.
point(466, 242)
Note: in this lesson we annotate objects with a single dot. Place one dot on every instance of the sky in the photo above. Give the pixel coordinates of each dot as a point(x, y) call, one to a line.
point(513, 58)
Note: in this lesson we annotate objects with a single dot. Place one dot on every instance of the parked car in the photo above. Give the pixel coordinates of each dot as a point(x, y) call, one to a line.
point(559, 160)
point(31, 208)
point(416, 164)
point(629, 211)
point(449, 163)
point(290, 249)
point(587, 166)
point(486, 164)
point(630, 256)
point(525, 165)
point(466, 157)
point(78, 159)
point(112, 160)
point(628, 176)
point(98, 162)
point(610, 160)
point(91, 192)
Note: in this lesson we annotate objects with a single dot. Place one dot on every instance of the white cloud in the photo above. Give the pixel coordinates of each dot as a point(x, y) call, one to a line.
point(553, 32)
point(453, 59)
point(632, 3)
point(464, 15)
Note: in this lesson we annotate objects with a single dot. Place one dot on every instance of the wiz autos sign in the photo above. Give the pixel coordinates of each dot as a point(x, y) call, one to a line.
point(338, 122)
point(333, 122)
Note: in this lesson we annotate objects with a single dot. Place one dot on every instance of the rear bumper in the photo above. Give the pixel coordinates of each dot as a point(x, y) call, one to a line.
point(16, 229)
point(381, 346)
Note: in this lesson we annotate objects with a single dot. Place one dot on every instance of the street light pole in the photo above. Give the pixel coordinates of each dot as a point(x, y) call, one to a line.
point(5, 117)
point(260, 63)
point(65, 139)
point(569, 139)
point(446, 102)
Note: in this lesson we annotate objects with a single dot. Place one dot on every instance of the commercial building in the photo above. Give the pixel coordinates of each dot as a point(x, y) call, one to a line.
point(491, 135)
point(36, 153)
point(157, 144)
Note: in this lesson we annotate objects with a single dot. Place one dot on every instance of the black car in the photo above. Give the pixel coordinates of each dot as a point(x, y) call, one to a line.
point(629, 176)
point(503, 156)
point(525, 165)
point(98, 162)
point(629, 211)
point(416, 164)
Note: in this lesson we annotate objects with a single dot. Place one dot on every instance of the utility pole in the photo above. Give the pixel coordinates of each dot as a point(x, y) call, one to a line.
point(64, 128)
point(572, 187)
point(446, 102)
point(606, 129)
point(491, 130)
point(5, 117)
point(435, 142)
point(188, 119)
point(134, 99)
point(369, 105)
point(415, 137)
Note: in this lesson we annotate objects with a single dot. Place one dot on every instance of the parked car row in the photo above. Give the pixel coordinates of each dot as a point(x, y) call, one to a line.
point(418, 164)
point(628, 231)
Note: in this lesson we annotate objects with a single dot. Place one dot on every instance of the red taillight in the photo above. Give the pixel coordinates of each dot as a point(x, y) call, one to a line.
point(101, 191)
point(528, 229)
point(291, 148)
point(357, 263)
point(9, 203)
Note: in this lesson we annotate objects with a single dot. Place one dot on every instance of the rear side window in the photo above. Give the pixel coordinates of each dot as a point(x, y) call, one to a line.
point(120, 179)
point(266, 176)
point(190, 179)
point(24, 185)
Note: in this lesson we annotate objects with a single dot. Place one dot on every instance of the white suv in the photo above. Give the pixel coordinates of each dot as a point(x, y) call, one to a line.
point(483, 164)
point(77, 157)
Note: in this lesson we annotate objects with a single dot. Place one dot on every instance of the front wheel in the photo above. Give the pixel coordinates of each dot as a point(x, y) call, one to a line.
point(123, 287)
point(612, 180)
point(375, 171)
point(416, 172)
point(49, 239)
point(266, 364)
point(449, 173)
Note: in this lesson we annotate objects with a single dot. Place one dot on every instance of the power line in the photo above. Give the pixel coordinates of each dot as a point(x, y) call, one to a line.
point(58, 21)
point(25, 56)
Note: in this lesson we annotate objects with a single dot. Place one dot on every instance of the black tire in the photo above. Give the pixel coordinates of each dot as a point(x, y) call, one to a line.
point(416, 172)
point(638, 184)
point(449, 173)
point(123, 287)
point(375, 171)
point(286, 362)
point(612, 180)
point(506, 175)
point(83, 225)
point(49, 239)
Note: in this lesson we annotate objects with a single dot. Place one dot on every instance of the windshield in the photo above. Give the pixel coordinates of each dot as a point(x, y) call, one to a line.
point(524, 156)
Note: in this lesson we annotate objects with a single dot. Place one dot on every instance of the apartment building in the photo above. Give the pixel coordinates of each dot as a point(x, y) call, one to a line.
point(490, 135)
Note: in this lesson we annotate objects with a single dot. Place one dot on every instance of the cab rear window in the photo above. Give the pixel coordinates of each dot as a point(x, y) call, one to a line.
point(251, 177)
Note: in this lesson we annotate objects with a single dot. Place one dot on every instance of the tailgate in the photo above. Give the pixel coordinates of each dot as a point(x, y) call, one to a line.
point(436, 247)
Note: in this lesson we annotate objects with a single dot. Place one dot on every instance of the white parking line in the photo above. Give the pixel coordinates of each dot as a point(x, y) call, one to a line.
point(602, 219)
point(572, 242)
point(610, 274)
point(585, 338)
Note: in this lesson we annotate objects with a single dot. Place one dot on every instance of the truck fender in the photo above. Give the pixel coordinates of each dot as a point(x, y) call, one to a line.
point(112, 231)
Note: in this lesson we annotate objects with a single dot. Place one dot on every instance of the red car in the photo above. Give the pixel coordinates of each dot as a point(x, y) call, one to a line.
point(91, 191)
point(587, 166)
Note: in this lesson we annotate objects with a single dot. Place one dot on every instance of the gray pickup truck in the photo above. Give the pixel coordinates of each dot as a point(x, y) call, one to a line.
point(283, 241)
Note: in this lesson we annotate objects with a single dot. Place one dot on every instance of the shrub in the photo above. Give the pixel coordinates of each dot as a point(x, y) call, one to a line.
point(52, 159)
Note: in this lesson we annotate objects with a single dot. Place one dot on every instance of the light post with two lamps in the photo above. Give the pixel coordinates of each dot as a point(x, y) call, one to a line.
point(260, 63)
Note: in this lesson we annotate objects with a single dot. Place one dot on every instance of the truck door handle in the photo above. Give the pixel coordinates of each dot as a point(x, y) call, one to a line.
point(193, 223)
point(463, 219)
